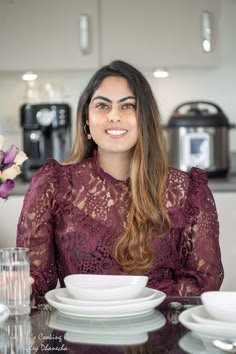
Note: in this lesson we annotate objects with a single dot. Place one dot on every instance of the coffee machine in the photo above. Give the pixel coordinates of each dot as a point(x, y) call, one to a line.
point(46, 132)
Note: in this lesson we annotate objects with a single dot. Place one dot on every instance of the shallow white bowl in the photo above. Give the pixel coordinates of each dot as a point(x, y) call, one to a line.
point(104, 287)
point(220, 305)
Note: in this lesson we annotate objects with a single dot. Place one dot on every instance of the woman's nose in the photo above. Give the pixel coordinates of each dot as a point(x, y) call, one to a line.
point(114, 115)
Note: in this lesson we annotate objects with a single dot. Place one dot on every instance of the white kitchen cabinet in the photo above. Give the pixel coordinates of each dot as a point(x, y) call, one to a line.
point(226, 207)
point(158, 33)
point(9, 215)
point(46, 35)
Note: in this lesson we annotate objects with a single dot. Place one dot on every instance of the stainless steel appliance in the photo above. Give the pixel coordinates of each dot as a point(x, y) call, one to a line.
point(198, 135)
point(46, 133)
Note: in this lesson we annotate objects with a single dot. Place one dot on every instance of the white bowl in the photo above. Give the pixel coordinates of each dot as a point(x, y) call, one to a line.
point(104, 287)
point(221, 305)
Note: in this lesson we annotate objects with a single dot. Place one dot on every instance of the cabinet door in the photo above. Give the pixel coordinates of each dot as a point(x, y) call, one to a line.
point(226, 207)
point(46, 34)
point(151, 33)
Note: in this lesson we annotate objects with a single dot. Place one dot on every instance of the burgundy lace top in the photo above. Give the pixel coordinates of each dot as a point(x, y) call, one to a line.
point(72, 214)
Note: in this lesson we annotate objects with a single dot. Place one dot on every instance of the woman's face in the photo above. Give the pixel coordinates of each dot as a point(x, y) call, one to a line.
point(112, 116)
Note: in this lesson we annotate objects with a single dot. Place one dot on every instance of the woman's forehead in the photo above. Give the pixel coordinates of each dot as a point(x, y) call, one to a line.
point(114, 88)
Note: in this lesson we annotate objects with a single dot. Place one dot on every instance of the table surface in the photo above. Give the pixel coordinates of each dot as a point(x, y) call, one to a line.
point(41, 332)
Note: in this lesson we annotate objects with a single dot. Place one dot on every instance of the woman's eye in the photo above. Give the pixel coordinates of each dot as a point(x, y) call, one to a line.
point(129, 106)
point(101, 106)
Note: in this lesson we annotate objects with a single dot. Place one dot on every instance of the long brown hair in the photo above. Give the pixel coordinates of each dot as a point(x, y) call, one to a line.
point(149, 168)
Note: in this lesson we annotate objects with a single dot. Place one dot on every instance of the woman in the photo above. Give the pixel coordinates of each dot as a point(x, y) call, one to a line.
point(114, 207)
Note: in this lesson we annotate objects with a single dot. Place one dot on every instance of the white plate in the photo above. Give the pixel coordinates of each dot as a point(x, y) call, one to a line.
point(105, 311)
point(126, 330)
point(118, 325)
point(205, 330)
point(64, 296)
point(102, 339)
point(193, 344)
point(202, 316)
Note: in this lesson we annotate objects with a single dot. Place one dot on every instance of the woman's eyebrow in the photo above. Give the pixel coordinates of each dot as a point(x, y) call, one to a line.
point(126, 98)
point(110, 101)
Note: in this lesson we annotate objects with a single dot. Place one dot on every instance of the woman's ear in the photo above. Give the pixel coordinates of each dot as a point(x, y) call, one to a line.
point(89, 137)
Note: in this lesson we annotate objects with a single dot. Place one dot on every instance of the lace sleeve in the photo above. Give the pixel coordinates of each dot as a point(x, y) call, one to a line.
point(35, 228)
point(201, 268)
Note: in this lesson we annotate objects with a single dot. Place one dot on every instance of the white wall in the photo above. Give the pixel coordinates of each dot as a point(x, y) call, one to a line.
point(217, 85)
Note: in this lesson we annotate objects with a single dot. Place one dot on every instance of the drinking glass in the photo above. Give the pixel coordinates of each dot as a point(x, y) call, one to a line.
point(15, 335)
point(14, 280)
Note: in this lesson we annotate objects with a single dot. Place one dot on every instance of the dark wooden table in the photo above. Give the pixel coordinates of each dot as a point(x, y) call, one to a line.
point(35, 334)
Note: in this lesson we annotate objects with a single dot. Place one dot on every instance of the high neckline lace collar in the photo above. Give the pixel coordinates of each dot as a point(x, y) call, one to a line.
point(103, 174)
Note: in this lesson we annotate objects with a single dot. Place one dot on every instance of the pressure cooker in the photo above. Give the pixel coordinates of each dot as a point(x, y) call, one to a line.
point(198, 136)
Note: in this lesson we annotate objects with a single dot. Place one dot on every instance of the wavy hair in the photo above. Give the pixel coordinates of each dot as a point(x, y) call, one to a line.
point(149, 168)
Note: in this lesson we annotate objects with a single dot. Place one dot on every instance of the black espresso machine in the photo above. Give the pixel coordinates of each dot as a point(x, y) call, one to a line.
point(46, 133)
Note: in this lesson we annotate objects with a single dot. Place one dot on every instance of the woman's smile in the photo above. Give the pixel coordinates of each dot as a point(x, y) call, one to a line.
point(116, 133)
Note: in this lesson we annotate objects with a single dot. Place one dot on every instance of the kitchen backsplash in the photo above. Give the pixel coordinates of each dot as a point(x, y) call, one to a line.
point(215, 85)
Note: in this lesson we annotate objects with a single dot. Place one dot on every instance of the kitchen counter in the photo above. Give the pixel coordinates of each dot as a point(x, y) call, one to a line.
point(223, 184)
point(20, 187)
point(226, 184)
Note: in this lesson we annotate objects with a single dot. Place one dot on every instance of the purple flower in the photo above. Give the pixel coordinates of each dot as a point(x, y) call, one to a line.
point(10, 154)
point(6, 188)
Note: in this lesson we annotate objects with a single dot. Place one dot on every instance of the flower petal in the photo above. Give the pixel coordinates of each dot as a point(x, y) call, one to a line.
point(6, 188)
point(10, 154)
point(20, 158)
point(10, 172)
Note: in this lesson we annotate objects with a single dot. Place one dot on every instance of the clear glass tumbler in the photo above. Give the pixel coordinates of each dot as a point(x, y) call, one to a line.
point(14, 280)
point(15, 335)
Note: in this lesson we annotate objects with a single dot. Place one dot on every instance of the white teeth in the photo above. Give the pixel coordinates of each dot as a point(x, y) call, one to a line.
point(116, 132)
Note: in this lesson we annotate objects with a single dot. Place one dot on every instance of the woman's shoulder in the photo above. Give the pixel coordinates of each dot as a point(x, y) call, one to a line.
point(50, 169)
point(52, 166)
point(184, 187)
point(53, 171)
point(195, 176)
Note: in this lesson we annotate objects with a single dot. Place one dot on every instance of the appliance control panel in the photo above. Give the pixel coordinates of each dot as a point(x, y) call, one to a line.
point(35, 116)
point(196, 149)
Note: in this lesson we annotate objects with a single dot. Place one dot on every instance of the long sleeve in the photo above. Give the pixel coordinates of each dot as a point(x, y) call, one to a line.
point(202, 269)
point(35, 229)
point(197, 265)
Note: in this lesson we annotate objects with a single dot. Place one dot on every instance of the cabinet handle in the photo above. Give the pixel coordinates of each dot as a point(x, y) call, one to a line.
point(206, 31)
point(84, 34)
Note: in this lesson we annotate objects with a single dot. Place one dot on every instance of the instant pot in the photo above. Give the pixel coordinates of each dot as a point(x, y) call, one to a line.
point(198, 136)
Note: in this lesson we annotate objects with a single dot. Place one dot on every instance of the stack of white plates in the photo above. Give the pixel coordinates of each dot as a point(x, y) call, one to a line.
point(198, 320)
point(64, 302)
point(105, 296)
point(106, 309)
